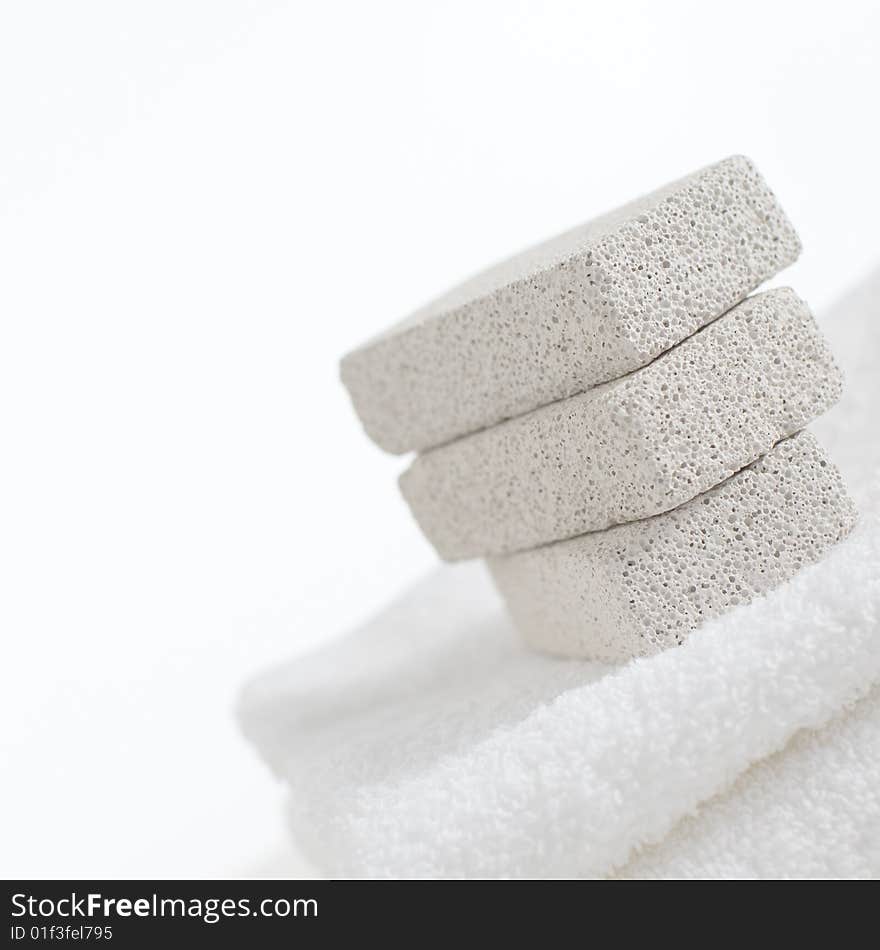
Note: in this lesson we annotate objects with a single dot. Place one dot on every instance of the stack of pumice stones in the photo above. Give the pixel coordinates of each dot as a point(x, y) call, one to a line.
point(614, 424)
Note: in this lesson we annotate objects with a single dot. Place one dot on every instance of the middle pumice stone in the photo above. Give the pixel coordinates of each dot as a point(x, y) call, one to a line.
point(633, 447)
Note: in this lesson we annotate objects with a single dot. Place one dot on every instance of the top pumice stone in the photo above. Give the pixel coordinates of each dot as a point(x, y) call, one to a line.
point(587, 306)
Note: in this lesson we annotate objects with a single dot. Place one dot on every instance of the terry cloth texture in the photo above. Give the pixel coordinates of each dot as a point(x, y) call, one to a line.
point(430, 743)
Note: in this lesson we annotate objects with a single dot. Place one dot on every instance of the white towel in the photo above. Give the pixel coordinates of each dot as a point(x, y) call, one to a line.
point(429, 743)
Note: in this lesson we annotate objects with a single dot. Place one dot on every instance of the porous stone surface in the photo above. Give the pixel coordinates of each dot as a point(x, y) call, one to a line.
point(638, 588)
point(636, 446)
point(588, 306)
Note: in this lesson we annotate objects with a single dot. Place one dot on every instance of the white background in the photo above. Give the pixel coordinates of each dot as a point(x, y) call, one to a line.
point(204, 204)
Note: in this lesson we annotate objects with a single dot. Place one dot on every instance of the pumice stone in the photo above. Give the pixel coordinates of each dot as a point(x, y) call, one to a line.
point(585, 307)
point(633, 447)
point(638, 588)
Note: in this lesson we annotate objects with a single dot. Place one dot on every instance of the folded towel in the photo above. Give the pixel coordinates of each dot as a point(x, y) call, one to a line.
point(431, 743)
point(810, 811)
